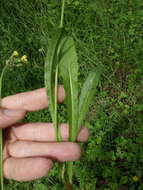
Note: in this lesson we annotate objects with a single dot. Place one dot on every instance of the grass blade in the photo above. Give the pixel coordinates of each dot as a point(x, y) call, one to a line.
point(87, 93)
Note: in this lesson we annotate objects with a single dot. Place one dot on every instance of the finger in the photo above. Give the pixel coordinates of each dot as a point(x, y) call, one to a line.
point(26, 169)
point(64, 151)
point(44, 132)
point(9, 117)
point(30, 101)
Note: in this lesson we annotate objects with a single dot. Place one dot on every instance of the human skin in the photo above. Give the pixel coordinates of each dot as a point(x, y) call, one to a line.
point(31, 148)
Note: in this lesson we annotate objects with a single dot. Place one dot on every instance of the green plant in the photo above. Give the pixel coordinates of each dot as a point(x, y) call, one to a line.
point(62, 60)
point(77, 108)
point(123, 73)
point(13, 61)
point(1, 135)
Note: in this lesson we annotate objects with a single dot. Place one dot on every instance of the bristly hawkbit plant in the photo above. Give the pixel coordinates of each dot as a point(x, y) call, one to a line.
point(52, 72)
point(77, 107)
point(13, 61)
point(62, 60)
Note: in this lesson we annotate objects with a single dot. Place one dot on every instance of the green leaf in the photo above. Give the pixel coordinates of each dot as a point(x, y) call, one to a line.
point(87, 93)
point(51, 62)
point(69, 73)
point(51, 76)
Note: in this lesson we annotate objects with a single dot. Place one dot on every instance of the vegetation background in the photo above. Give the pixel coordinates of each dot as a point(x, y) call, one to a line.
point(106, 31)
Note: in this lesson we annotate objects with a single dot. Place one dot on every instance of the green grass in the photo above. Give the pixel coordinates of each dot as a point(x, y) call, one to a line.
point(109, 32)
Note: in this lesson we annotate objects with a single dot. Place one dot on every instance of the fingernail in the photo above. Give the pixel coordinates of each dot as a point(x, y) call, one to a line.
point(9, 112)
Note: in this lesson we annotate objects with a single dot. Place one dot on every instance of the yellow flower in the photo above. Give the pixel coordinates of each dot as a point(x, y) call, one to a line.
point(135, 178)
point(15, 53)
point(24, 59)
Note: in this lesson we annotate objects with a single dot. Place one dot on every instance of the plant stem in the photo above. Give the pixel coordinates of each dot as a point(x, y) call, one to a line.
point(62, 13)
point(67, 180)
point(1, 78)
point(70, 171)
point(1, 160)
point(56, 106)
point(69, 187)
point(1, 134)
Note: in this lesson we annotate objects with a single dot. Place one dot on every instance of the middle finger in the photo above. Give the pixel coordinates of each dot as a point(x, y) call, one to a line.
point(63, 151)
point(43, 132)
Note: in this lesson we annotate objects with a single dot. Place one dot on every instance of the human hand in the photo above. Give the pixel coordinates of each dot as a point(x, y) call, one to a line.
point(30, 148)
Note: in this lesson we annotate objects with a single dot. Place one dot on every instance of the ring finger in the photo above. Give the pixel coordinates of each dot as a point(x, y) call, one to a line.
point(26, 169)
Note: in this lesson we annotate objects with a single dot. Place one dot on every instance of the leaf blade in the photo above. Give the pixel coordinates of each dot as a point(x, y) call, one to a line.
point(69, 72)
point(51, 78)
point(87, 93)
point(51, 62)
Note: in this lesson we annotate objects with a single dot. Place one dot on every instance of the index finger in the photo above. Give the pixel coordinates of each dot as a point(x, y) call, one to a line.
point(30, 101)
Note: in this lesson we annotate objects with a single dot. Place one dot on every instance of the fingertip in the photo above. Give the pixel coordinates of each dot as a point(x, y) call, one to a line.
point(10, 116)
point(61, 94)
point(26, 169)
point(74, 152)
point(83, 135)
point(45, 165)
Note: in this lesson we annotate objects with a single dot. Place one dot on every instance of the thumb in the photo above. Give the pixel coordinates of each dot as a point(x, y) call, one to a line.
point(9, 117)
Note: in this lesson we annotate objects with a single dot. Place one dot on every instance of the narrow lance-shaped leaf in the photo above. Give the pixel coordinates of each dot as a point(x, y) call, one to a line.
point(87, 93)
point(51, 62)
point(51, 77)
point(69, 72)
